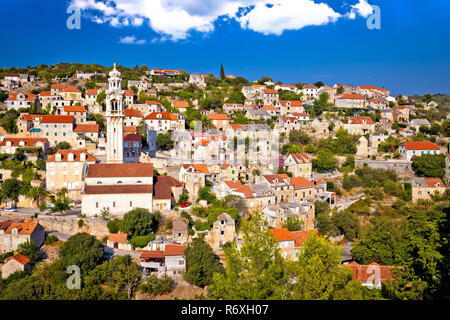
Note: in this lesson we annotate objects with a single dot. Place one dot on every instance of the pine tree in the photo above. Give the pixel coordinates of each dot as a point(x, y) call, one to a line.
point(222, 72)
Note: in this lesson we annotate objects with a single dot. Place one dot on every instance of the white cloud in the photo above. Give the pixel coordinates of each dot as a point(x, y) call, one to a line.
point(287, 15)
point(132, 40)
point(363, 8)
point(175, 19)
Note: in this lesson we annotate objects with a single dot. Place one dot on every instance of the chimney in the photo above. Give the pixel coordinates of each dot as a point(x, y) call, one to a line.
point(71, 157)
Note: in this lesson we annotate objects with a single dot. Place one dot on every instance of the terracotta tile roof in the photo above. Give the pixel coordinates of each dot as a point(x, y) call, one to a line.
point(420, 145)
point(57, 119)
point(282, 234)
point(132, 137)
point(360, 271)
point(5, 224)
point(76, 153)
point(132, 113)
point(309, 86)
point(400, 107)
point(174, 250)
point(293, 103)
point(236, 127)
point(270, 91)
point(15, 75)
point(71, 89)
point(246, 191)
point(271, 177)
point(151, 102)
point(300, 236)
point(367, 87)
point(199, 167)
point(434, 182)
point(163, 186)
point(118, 237)
point(218, 116)
point(28, 142)
point(155, 254)
point(74, 109)
point(58, 86)
point(19, 258)
point(159, 116)
point(119, 189)
point(128, 92)
point(350, 96)
point(180, 104)
point(234, 184)
point(129, 129)
point(300, 182)
point(93, 91)
point(29, 117)
point(86, 128)
point(360, 120)
point(258, 86)
point(300, 114)
point(22, 227)
point(45, 94)
point(107, 170)
point(269, 107)
point(28, 96)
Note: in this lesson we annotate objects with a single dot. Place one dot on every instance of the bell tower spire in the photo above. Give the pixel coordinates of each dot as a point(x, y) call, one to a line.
point(114, 117)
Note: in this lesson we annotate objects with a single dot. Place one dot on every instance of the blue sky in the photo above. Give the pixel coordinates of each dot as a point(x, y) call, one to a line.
point(409, 54)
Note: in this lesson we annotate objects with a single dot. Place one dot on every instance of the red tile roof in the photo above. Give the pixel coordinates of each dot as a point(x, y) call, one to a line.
point(107, 170)
point(282, 234)
point(294, 103)
point(28, 96)
point(301, 157)
point(301, 236)
point(71, 89)
point(22, 227)
point(19, 258)
point(180, 104)
point(174, 250)
point(155, 254)
point(234, 184)
point(367, 87)
point(434, 182)
point(351, 96)
point(28, 142)
point(45, 94)
point(218, 116)
point(118, 237)
point(199, 167)
point(151, 102)
point(300, 182)
point(271, 177)
point(93, 91)
point(128, 92)
point(360, 272)
point(270, 91)
point(420, 145)
point(129, 128)
point(119, 189)
point(246, 191)
point(58, 86)
point(57, 119)
point(360, 120)
point(132, 137)
point(74, 109)
point(163, 187)
point(159, 116)
point(76, 155)
point(86, 128)
point(132, 113)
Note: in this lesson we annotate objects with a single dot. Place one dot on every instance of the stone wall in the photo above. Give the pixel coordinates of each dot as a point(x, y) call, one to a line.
point(69, 225)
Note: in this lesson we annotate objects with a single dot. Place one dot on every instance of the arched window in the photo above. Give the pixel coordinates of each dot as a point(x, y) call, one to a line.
point(119, 182)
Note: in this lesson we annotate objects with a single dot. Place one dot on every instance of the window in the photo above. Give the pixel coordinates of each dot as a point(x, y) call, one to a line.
point(181, 262)
point(96, 204)
point(131, 203)
point(119, 182)
point(114, 204)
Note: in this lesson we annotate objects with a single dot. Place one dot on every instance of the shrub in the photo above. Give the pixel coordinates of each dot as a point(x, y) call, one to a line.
point(51, 239)
point(142, 241)
point(154, 286)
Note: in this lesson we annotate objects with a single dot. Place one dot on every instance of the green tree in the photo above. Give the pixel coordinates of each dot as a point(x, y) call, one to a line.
point(347, 223)
point(255, 271)
point(63, 145)
point(38, 194)
point(82, 250)
point(222, 73)
point(140, 222)
point(299, 137)
point(201, 263)
point(164, 141)
point(206, 194)
point(324, 162)
point(429, 165)
point(293, 223)
point(11, 189)
point(29, 250)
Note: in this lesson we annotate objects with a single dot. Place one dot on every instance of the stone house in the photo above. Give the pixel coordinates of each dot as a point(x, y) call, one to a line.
point(65, 170)
point(299, 164)
point(15, 263)
point(223, 231)
point(270, 96)
point(412, 149)
point(119, 241)
point(282, 187)
point(57, 128)
point(12, 234)
point(219, 120)
point(348, 100)
point(78, 112)
point(180, 231)
point(424, 188)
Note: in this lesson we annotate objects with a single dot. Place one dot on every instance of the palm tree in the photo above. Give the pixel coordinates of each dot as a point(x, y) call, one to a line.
point(38, 194)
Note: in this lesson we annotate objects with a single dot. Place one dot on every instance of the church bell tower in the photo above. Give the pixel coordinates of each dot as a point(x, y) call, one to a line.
point(114, 118)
